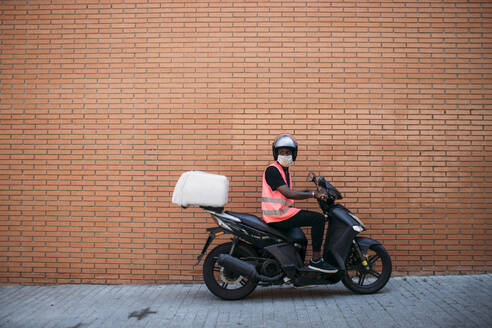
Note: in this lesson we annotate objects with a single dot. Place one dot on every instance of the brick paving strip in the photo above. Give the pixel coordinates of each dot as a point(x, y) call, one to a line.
point(431, 301)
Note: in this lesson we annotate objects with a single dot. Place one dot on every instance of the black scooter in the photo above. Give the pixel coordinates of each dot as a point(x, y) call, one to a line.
point(262, 255)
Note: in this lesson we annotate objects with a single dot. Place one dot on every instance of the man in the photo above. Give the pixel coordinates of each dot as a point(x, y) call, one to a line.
point(278, 201)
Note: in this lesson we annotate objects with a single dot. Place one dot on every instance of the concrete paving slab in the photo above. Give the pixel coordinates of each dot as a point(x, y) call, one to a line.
point(435, 301)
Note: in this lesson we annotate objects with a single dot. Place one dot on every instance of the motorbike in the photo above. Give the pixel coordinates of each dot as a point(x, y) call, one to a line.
point(259, 255)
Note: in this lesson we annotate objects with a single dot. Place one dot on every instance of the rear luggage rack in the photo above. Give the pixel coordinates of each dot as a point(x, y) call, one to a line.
point(213, 209)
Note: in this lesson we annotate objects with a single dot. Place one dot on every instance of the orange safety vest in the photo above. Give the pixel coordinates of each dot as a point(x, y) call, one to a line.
point(275, 206)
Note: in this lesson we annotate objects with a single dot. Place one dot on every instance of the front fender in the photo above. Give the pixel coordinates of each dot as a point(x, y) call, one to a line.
point(364, 243)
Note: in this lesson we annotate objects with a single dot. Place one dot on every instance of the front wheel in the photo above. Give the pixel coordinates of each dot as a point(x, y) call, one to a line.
point(223, 283)
point(371, 277)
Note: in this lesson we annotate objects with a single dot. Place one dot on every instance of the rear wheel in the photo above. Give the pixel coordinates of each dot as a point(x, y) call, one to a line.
point(223, 283)
point(369, 278)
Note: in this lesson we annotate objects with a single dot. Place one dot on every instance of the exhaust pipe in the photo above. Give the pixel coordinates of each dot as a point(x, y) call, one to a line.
point(244, 268)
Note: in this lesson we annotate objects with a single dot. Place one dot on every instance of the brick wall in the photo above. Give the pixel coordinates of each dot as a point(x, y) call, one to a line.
point(105, 103)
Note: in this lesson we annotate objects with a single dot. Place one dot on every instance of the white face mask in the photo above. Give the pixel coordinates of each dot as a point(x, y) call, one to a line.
point(285, 160)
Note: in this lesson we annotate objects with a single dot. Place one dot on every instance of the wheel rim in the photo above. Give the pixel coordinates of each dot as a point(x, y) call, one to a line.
point(365, 276)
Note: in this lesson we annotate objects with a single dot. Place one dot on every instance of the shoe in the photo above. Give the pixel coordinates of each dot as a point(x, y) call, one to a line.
point(321, 266)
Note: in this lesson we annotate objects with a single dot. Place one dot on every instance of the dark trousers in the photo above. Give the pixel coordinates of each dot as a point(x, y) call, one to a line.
point(305, 219)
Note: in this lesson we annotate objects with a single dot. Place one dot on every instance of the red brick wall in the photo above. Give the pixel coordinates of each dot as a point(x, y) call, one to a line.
point(105, 103)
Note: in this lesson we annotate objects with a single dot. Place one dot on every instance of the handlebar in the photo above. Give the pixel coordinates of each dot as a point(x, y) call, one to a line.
point(333, 193)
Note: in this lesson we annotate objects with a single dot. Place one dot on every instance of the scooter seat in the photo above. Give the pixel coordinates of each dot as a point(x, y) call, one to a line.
point(294, 235)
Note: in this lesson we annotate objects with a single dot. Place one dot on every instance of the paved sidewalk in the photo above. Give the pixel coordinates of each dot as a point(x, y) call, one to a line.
point(436, 301)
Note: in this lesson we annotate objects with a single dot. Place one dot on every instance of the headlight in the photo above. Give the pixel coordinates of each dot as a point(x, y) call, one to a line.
point(358, 228)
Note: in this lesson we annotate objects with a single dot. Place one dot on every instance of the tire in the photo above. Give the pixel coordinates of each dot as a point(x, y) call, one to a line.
point(223, 284)
point(373, 277)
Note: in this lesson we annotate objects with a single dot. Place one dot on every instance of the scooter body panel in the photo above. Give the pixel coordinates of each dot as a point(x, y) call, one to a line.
point(307, 277)
point(288, 257)
point(339, 236)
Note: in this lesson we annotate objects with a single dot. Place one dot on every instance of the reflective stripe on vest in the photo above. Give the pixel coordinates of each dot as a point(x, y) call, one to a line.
point(275, 206)
point(276, 201)
point(276, 212)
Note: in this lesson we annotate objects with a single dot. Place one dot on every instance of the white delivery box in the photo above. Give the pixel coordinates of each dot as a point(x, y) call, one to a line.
point(197, 188)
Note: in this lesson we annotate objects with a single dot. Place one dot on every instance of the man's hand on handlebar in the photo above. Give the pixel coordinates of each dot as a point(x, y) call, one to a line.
point(321, 195)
